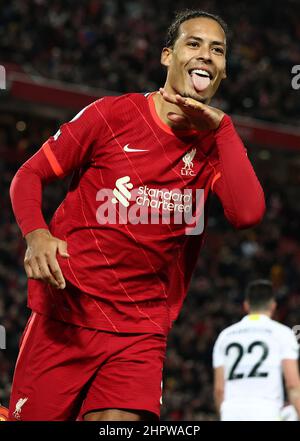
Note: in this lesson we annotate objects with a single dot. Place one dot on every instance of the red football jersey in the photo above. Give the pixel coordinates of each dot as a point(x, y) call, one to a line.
point(126, 275)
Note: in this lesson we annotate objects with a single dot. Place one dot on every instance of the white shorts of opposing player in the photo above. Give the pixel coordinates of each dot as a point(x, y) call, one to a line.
point(250, 410)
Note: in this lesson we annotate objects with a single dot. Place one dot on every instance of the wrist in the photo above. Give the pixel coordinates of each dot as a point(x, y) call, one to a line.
point(225, 121)
point(29, 237)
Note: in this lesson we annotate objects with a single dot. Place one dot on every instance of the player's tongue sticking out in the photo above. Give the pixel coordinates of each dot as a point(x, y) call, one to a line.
point(200, 82)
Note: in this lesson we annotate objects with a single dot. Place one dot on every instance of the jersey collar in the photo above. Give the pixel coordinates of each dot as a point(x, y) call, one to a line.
point(255, 317)
point(163, 125)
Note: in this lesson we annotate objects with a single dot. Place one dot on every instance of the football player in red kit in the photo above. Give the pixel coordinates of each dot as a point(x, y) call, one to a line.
point(104, 292)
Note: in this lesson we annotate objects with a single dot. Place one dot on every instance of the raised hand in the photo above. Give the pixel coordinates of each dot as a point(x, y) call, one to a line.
point(197, 115)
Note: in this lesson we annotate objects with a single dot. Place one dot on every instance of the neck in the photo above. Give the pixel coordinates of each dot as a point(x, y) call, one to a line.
point(263, 312)
point(163, 108)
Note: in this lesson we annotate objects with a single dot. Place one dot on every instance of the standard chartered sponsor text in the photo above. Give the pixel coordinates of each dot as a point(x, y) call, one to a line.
point(150, 205)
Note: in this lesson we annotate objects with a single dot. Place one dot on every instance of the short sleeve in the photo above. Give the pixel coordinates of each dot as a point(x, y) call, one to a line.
point(218, 352)
point(289, 345)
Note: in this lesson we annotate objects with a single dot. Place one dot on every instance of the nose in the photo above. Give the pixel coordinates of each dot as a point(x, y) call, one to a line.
point(204, 53)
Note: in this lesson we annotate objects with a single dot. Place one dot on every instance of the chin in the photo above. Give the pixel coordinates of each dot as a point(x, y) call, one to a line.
point(203, 100)
point(196, 96)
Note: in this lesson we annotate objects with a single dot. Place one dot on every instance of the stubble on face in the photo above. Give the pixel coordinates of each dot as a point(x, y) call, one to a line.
point(201, 42)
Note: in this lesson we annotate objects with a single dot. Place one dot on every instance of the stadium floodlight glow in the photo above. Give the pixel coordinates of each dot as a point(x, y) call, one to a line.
point(2, 77)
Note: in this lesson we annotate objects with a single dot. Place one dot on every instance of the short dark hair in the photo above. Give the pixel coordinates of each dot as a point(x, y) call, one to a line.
point(259, 294)
point(188, 14)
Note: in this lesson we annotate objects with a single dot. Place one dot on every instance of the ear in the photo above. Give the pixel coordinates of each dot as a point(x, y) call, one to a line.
point(246, 306)
point(273, 306)
point(166, 56)
point(224, 73)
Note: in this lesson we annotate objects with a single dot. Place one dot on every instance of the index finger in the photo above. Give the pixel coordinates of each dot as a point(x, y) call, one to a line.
point(181, 101)
point(56, 272)
point(171, 98)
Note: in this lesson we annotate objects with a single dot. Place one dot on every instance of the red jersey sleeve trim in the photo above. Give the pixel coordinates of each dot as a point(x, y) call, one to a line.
point(216, 177)
point(52, 159)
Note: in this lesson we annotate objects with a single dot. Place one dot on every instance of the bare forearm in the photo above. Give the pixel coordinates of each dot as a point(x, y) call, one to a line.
point(294, 398)
point(219, 397)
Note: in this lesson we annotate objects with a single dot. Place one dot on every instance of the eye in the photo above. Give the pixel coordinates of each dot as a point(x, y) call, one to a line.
point(219, 50)
point(193, 43)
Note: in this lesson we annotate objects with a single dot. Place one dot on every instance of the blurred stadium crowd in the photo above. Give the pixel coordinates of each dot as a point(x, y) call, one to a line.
point(115, 45)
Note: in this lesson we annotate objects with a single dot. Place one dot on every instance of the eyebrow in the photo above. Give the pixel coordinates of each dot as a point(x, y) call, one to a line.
point(219, 43)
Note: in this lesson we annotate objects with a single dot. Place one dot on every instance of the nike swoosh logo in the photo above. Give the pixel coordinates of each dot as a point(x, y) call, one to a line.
point(128, 149)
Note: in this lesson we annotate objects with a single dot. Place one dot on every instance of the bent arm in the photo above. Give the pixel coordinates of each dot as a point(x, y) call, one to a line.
point(235, 181)
point(26, 192)
point(26, 195)
point(69, 149)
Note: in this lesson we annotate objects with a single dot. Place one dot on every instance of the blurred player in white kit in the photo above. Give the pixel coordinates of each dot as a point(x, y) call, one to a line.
point(251, 358)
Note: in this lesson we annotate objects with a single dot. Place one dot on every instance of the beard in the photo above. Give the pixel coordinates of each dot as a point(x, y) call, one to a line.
point(195, 97)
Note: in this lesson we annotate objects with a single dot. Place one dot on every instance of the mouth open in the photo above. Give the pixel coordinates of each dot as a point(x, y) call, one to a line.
point(200, 78)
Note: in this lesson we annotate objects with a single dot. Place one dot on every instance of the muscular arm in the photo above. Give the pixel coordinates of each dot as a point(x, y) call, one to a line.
point(26, 192)
point(236, 184)
point(40, 261)
point(68, 150)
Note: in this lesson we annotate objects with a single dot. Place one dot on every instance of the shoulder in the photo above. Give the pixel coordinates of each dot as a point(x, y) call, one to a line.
point(231, 329)
point(282, 330)
point(120, 108)
point(120, 100)
point(284, 335)
point(224, 334)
